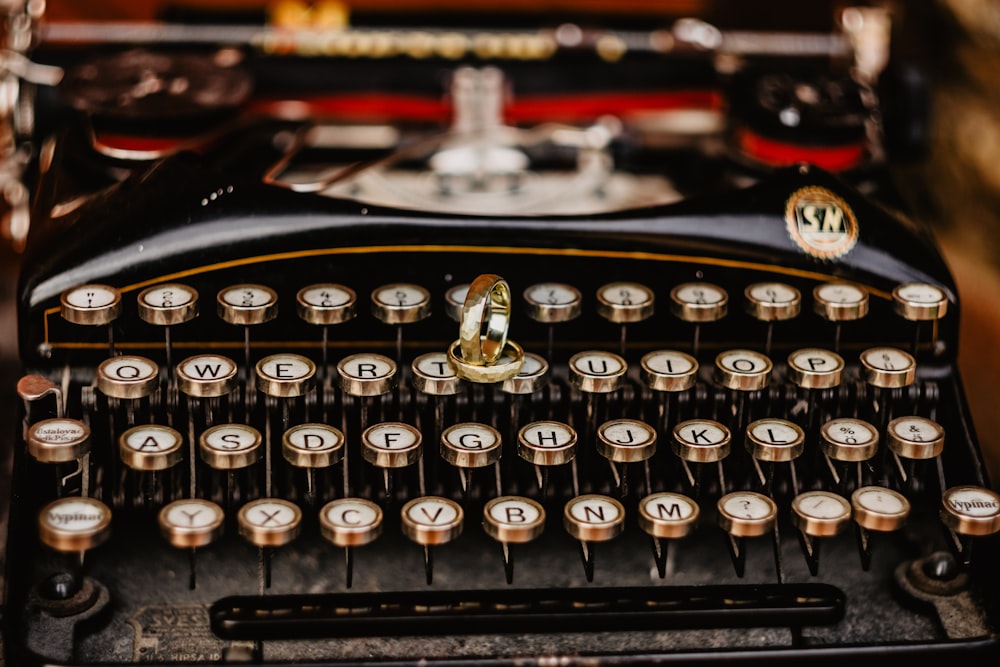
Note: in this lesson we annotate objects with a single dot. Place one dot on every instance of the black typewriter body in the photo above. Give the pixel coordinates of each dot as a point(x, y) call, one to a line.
point(420, 180)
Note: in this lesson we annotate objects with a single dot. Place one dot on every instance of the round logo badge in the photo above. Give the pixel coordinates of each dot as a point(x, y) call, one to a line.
point(820, 222)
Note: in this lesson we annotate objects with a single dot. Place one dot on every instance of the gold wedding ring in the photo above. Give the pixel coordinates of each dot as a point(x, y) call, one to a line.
point(486, 307)
point(507, 366)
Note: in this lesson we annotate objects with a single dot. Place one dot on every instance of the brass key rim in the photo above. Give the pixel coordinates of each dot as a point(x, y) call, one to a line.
point(485, 320)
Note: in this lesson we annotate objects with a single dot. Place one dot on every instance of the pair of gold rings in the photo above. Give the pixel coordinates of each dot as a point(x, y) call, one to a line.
point(483, 353)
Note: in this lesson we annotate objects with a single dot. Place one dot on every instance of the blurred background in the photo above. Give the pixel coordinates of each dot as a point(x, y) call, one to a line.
point(954, 185)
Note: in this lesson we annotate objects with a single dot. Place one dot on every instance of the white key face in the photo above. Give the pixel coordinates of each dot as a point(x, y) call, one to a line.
point(269, 514)
point(391, 437)
point(471, 437)
point(920, 293)
point(552, 294)
point(368, 367)
point(880, 501)
point(548, 435)
point(822, 505)
point(88, 297)
point(287, 368)
point(432, 512)
point(153, 439)
point(626, 294)
point(669, 508)
point(887, 359)
point(816, 361)
point(849, 432)
point(671, 363)
point(456, 295)
point(841, 293)
point(314, 438)
point(207, 368)
point(773, 293)
point(169, 296)
point(232, 438)
point(533, 365)
point(435, 364)
point(514, 512)
point(598, 364)
point(594, 511)
point(775, 432)
point(972, 502)
point(193, 515)
point(352, 514)
point(916, 429)
point(76, 516)
point(699, 294)
point(700, 433)
point(628, 433)
point(401, 296)
point(129, 369)
point(248, 296)
point(326, 296)
point(746, 506)
point(59, 431)
point(744, 362)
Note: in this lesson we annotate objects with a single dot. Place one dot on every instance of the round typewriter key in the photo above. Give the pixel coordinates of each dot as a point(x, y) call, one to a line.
point(699, 302)
point(191, 523)
point(533, 375)
point(367, 374)
point(285, 374)
point(401, 303)
point(454, 300)
point(391, 445)
point(207, 376)
point(742, 370)
point(848, 439)
point(746, 513)
point(840, 302)
point(815, 368)
point(168, 304)
point(312, 445)
point(230, 446)
point(58, 440)
point(820, 513)
point(626, 440)
point(150, 447)
point(326, 303)
point(594, 518)
point(919, 301)
point(247, 304)
point(701, 441)
point(553, 302)
point(507, 366)
point(669, 370)
point(625, 302)
point(774, 440)
point(471, 445)
point(547, 443)
point(668, 515)
point(270, 522)
point(431, 520)
point(74, 524)
point(971, 510)
point(513, 519)
point(433, 374)
point(127, 377)
point(915, 437)
point(769, 302)
point(350, 522)
point(91, 304)
point(880, 509)
point(888, 367)
point(597, 372)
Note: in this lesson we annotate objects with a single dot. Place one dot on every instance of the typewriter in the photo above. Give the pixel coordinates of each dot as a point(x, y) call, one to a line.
point(501, 338)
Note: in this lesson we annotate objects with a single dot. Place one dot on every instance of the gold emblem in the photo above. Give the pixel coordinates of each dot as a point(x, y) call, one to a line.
point(821, 223)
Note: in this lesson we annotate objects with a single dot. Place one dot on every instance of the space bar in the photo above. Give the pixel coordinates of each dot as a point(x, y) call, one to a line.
point(455, 612)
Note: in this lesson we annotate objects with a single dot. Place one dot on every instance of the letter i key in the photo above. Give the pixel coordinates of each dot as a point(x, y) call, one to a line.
point(512, 520)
